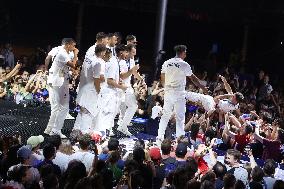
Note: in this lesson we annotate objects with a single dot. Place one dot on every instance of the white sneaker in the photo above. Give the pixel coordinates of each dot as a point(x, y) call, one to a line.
point(68, 116)
point(124, 131)
point(57, 133)
point(47, 130)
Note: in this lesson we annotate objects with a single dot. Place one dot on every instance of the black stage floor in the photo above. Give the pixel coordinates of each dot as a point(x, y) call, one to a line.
point(28, 121)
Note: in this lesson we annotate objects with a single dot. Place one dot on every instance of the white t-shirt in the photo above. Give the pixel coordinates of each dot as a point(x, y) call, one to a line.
point(124, 66)
point(85, 157)
point(176, 70)
point(61, 160)
point(112, 69)
point(91, 69)
point(91, 51)
point(54, 51)
point(226, 105)
point(58, 73)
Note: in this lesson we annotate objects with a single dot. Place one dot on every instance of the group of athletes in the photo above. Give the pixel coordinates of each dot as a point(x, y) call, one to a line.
point(105, 89)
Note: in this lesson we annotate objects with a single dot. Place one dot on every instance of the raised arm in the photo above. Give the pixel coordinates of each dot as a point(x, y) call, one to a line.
point(27, 87)
point(73, 62)
point(226, 85)
point(257, 135)
point(12, 73)
point(137, 75)
point(235, 120)
point(196, 82)
point(189, 123)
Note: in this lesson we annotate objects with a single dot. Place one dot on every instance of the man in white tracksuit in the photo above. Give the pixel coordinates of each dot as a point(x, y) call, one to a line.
point(109, 101)
point(101, 38)
point(89, 88)
point(128, 105)
point(53, 52)
point(50, 57)
point(59, 86)
point(173, 76)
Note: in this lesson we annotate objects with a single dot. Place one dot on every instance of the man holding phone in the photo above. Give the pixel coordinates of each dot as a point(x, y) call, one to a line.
point(128, 104)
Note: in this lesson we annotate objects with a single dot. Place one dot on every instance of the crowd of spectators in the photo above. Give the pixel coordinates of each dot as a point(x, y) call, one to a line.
point(240, 149)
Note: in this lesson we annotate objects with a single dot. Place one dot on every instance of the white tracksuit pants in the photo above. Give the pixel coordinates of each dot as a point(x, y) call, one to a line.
point(59, 101)
point(174, 101)
point(84, 121)
point(108, 103)
point(128, 107)
point(87, 98)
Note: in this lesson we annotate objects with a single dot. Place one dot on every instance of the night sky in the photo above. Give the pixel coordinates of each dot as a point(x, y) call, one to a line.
point(39, 23)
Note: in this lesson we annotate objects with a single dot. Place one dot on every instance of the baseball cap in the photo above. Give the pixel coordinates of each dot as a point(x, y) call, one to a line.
point(181, 149)
point(155, 153)
point(24, 152)
point(35, 140)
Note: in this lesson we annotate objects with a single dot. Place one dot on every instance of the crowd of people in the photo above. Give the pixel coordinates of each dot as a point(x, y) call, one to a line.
point(229, 125)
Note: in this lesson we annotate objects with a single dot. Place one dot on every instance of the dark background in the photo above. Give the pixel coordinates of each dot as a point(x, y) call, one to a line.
point(197, 23)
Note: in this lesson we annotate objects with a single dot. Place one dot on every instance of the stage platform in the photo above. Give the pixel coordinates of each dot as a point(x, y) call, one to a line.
point(28, 121)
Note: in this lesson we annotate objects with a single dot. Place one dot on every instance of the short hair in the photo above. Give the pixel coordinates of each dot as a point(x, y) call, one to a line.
point(180, 49)
point(48, 151)
point(166, 147)
point(193, 184)
point(100, 36)
point(257, 174)
point(235, 153)
point(207, 185)
point(69, 41)
point(139, 143)
point(130, 37)
point(50, 181)
point(180, 177)
point(84, 141)
point(63, 41)
point(114, 157)
point(249, 129)
point(129, 47)
point(110, 34)
point(210, 176)
point(191, 167)
point(220, 170)
point(137, 179)
point(119, 48)
point(139, 154)
point(54, 140)
point(279, 184)
point(239, 96)
point(240, 184)
point(113, 144)
point(229, 180)
point(100, 48)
